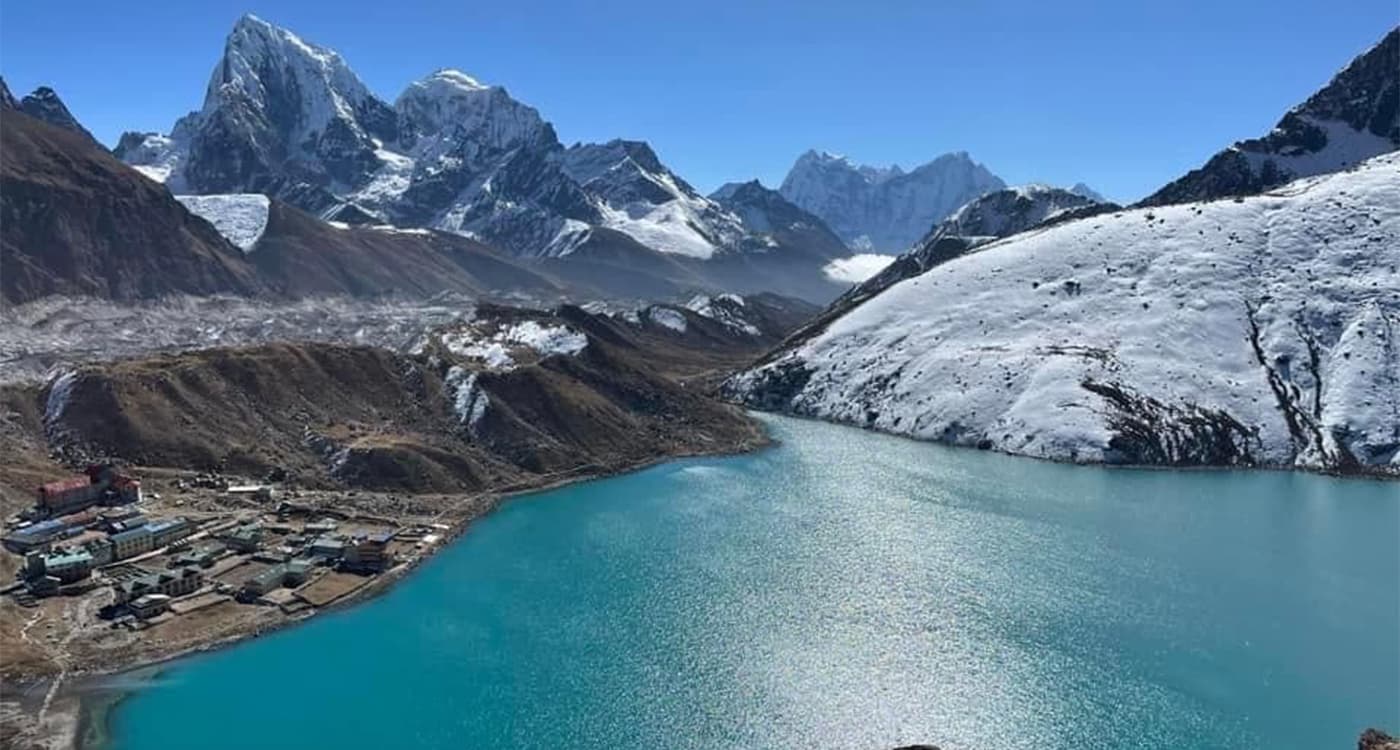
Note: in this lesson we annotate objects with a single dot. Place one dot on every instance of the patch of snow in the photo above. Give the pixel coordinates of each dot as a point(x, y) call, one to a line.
point(722, 310)
point(572, 234)
point(60, 395)
point(495, 349)
point(667, 318)
point(241, 218)
point(1346, 147)
point(669, 227)
point(388, 183)
point(547, 340)
point(856, 268)
point(469, 402)
point(391, 229)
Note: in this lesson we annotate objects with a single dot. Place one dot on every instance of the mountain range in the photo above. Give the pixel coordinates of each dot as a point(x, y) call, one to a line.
point(884, 209)
point(1188, 330)
point(290, 119)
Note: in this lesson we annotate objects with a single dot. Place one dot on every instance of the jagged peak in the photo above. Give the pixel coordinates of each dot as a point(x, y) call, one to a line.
point(252, 38)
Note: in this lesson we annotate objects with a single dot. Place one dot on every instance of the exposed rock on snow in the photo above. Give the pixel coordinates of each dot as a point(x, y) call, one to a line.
point(640, 197)
point(1256, 331)
point(1352, 118)
point(777, 222)
point(240, 218)
point(667, 317)
point(727, 309)
point(885, 210)
point(1005, 212)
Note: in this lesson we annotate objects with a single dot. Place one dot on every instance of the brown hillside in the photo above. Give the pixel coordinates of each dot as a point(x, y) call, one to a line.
point(75, 220)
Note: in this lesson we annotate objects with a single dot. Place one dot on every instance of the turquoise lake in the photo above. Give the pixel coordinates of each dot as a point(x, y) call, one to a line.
point(847, 590)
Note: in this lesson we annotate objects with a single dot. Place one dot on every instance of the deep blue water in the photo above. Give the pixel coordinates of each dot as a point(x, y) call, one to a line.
point(848, 590)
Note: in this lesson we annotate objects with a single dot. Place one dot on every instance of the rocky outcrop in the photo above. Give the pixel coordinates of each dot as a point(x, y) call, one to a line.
point(43, 104)
point(1375, 739)
point(1352, 118)
point(1006, 212)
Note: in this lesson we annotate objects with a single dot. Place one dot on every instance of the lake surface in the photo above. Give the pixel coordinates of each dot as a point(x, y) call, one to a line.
point(848, 590)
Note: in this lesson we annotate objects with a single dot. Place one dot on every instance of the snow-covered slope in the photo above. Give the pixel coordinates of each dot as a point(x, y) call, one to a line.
point(638, 196)
point(1257, 331)
point(884, 209)
point(1354, 117)
point(240, 218)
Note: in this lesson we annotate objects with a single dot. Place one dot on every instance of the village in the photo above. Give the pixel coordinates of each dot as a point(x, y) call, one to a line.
point(140, 561)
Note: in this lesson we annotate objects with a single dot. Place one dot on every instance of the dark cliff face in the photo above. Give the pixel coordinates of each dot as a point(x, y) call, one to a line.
point(74, 220)
point(44, 104)
point(1354, 117)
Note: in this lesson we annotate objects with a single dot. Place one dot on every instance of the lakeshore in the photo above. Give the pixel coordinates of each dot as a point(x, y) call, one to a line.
point(77, 700)
point(957, 603)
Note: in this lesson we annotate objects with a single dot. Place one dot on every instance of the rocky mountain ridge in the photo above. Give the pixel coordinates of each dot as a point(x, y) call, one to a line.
point(1354, 117)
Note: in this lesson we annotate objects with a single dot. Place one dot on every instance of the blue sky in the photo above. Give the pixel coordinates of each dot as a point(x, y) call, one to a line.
point(1124, 96)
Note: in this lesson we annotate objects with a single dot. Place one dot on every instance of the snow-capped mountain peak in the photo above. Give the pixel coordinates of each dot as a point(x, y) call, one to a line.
point(302, 90)
point(640, 197)
point(456, 108)
point(884, 208)
point(288, 118)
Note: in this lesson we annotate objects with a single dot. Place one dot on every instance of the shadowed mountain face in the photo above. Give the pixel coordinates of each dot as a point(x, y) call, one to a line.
point(1352, 118)
point(44, 104)
point(74, 220)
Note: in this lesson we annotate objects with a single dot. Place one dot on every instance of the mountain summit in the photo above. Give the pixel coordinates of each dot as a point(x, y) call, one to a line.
point(1354, 117)
point(885, 209)
point(290, 119)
